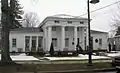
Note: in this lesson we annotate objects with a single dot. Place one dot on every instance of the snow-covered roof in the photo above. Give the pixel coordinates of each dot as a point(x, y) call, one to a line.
point(98, 31)
point(66, 16)
point(25, 29)
point(63, 17)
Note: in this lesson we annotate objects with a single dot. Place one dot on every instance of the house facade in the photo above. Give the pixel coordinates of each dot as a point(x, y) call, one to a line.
point(65, 32)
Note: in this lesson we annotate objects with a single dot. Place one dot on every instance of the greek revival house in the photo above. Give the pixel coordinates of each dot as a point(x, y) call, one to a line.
point(65, 32)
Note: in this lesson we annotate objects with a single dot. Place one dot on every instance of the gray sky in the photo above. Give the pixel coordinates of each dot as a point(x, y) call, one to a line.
point(101, 20)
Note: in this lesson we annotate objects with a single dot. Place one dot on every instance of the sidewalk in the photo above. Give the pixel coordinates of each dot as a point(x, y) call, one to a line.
point(78, 71)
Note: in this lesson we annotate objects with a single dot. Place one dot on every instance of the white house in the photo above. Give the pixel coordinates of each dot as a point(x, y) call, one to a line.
point(64, 31)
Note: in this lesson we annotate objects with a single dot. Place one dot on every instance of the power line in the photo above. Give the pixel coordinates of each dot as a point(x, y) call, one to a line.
point(101, 8)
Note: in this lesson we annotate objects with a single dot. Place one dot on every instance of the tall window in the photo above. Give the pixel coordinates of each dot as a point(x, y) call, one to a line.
point(53, 28)
point(100, 41)
point(27, 41)
point(54, 41)
point(14, 42)
point(66, 28)
point(40, 41)
point(33, 41)
point(66, 42)
point(78, 28)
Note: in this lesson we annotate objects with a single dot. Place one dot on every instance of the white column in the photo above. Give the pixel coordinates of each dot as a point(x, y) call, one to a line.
point(45, 39)
point(36, 43)
point(62, 38)
point(30, 43)
point(49, 37)
point(87, 37)
point(75, 37)
point(83, 38)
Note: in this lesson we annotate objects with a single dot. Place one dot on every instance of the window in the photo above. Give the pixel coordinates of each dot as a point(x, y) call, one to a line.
point(20, 49)
point(14, 42)
point(78, 40)
point(69, 22)
point(78, 28)
point(66, 28)
point(54, 28)
point(66, 42)
point(27, 41)
point(54, 41)
point(56, 21)
point(100, 41)
point(34, 42)
point(81, 22)
point(40, 41)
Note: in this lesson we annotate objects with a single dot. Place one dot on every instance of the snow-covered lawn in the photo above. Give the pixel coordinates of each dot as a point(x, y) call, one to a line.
point(113, 54)
point(22, 57)
point(80, 57)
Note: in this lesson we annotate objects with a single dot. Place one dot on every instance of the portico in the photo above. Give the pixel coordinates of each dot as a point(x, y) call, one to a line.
point(65, 37)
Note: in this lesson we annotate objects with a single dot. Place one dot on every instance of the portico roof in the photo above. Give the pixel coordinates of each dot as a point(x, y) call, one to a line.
point(63, 17)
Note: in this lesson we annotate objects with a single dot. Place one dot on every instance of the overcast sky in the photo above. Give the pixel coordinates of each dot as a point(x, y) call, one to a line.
point(101, 20)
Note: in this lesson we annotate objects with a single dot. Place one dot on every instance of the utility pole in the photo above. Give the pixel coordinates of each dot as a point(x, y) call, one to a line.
point(89, 33)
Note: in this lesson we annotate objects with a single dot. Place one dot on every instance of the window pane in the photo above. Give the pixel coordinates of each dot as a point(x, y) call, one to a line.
point(33, 41)
point(78, 28)
point(66, 28)
point(54, 28)
point(100, 41)
point(14, 42)
point(54, 41)
point(40, 41)
point(27, 41)
point(66, 42)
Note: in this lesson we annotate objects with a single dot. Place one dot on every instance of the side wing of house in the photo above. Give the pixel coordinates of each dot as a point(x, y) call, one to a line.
point(25, 41)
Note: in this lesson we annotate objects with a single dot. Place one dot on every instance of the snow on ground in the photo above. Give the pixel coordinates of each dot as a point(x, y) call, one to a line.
point(113, 54)
point(80, 57)
point(22, 57)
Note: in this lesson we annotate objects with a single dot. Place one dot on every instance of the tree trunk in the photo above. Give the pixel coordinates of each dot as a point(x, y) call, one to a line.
point(5, 58)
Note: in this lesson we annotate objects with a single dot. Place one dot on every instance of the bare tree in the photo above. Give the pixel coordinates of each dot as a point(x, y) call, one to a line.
point(115, 20)
point(31, 19)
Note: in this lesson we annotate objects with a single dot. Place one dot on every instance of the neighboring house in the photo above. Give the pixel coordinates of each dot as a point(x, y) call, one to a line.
point(99, 40)
point(64, 31)
point(117, 39)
